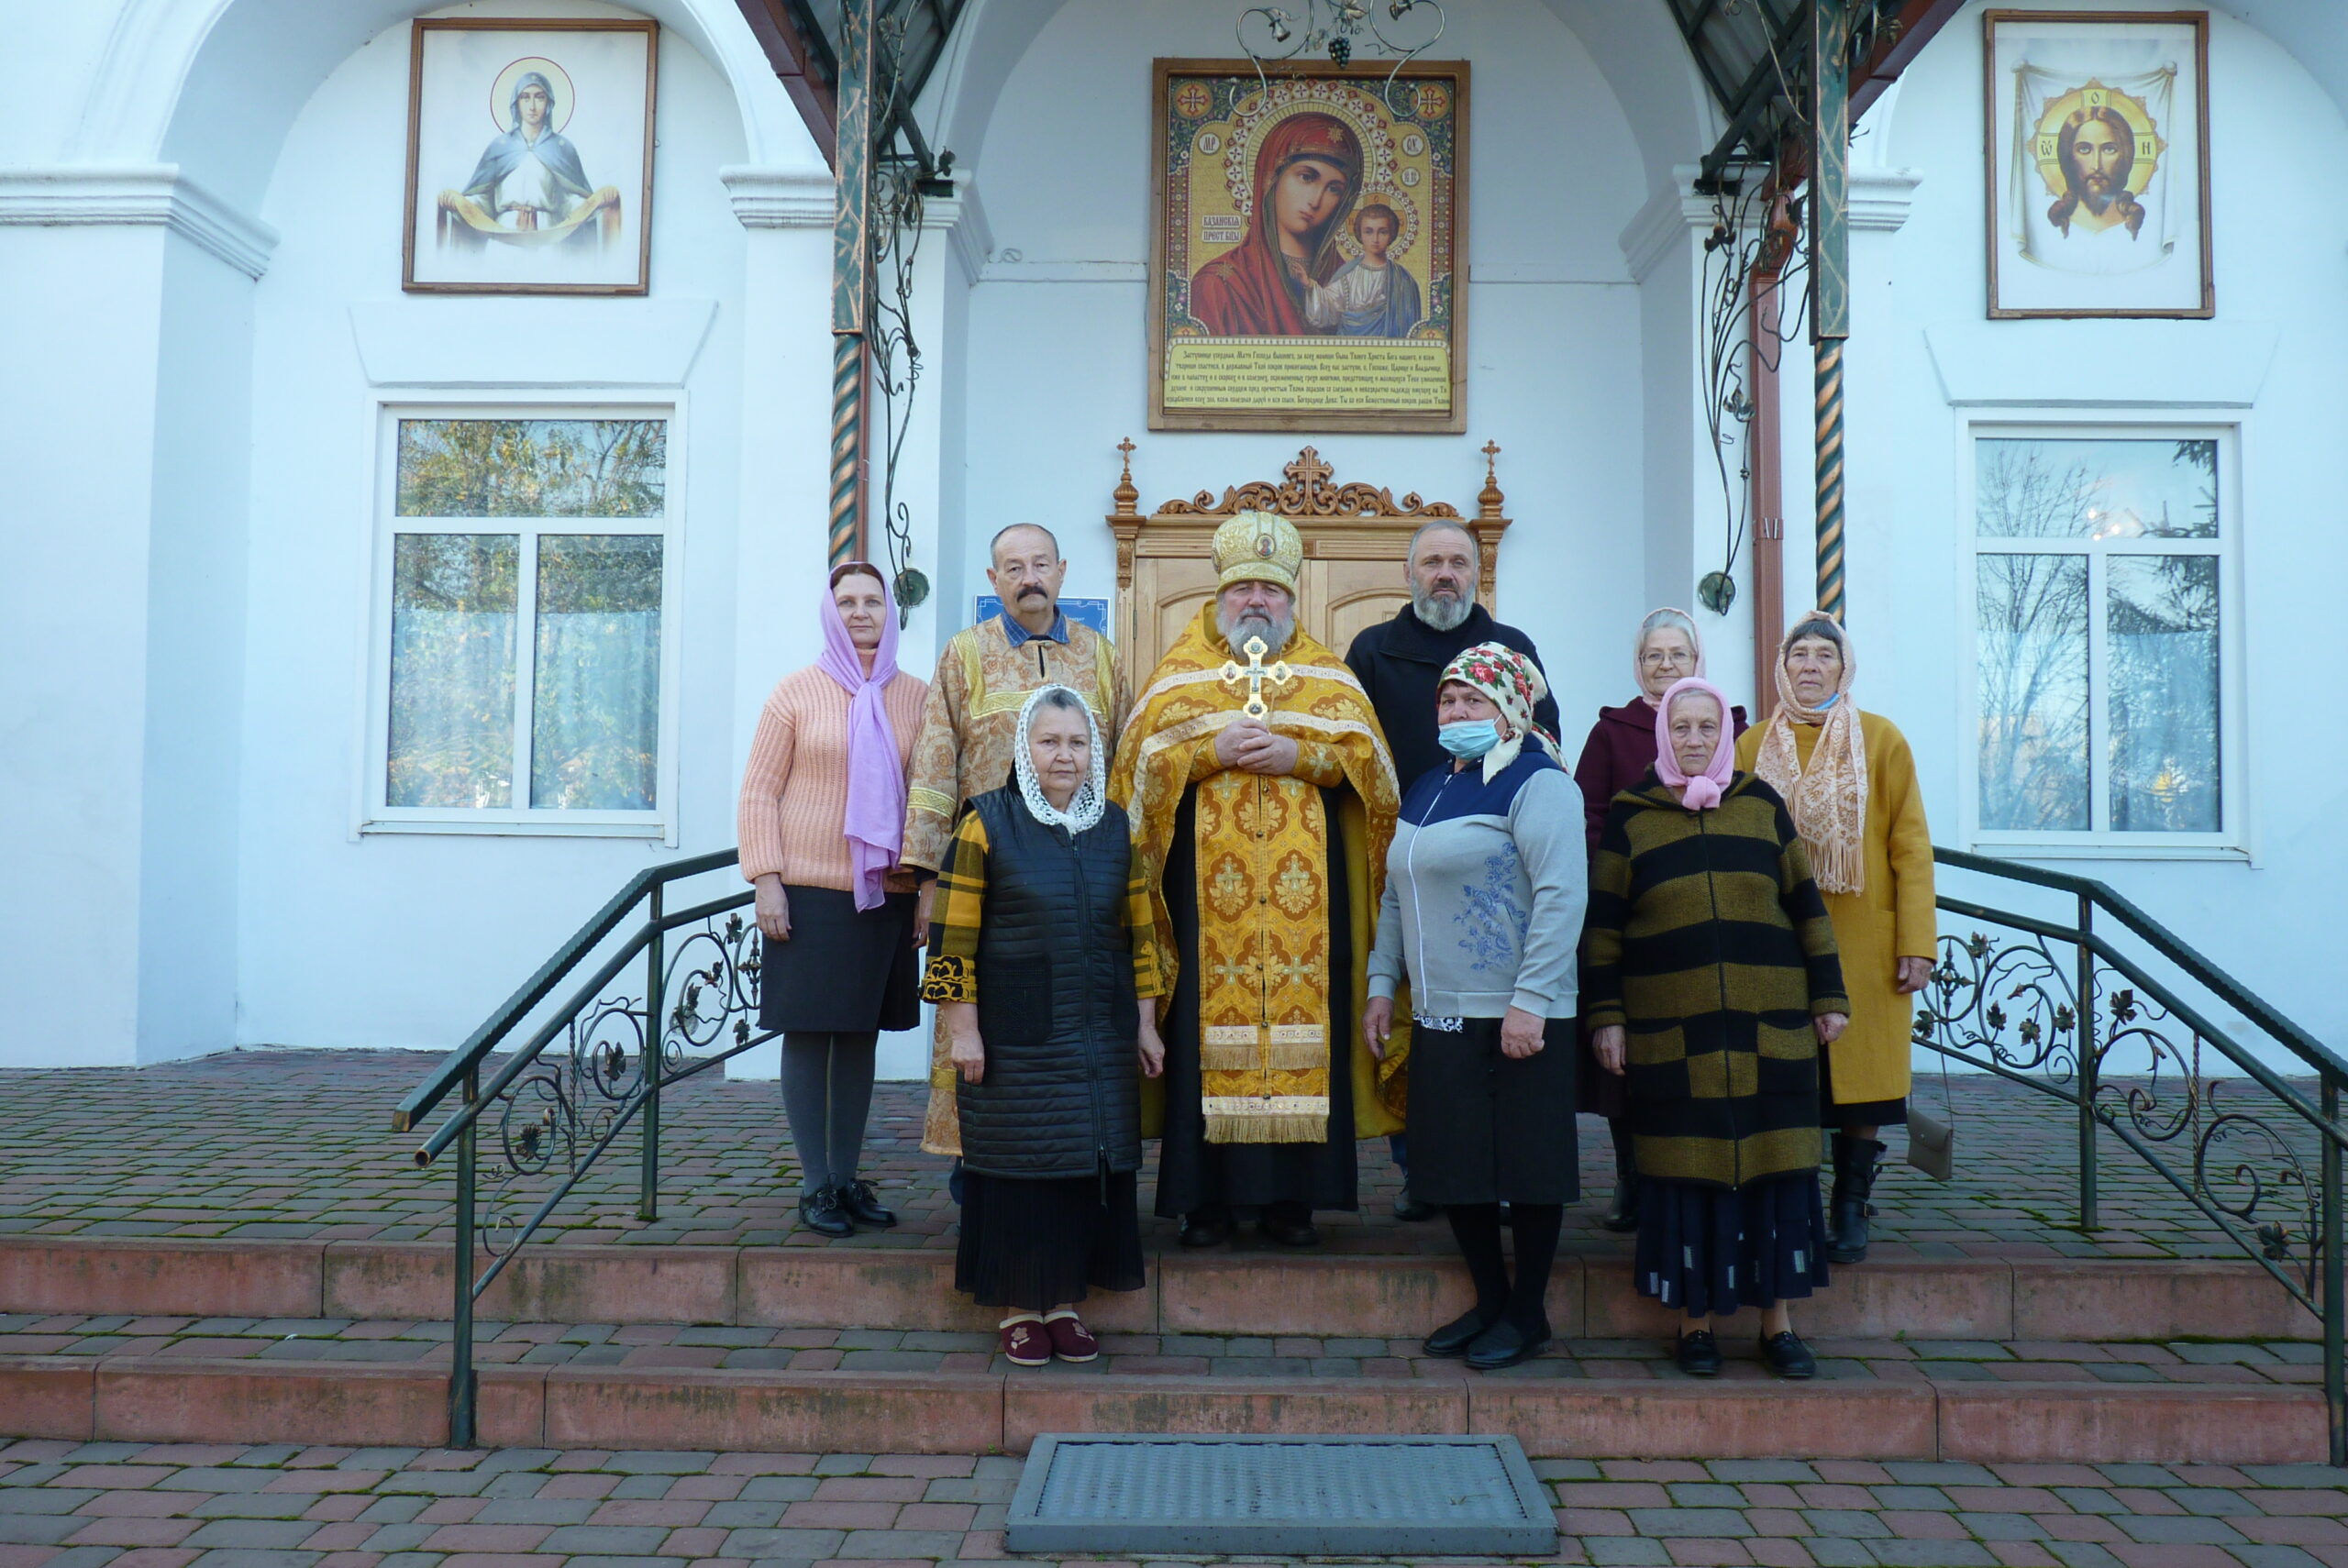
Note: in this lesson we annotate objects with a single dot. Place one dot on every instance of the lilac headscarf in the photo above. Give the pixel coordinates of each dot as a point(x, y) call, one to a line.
point(1704, 789)
point(876, 776)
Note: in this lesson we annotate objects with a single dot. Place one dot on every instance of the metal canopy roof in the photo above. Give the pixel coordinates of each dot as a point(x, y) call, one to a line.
point(1754, 55)
point(801, 42)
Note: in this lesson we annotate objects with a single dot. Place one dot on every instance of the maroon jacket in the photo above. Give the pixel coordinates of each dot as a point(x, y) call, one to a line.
point(1620, 750)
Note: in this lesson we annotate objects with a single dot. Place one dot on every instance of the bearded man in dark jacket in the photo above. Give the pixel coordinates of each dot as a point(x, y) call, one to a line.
point(1399, 664)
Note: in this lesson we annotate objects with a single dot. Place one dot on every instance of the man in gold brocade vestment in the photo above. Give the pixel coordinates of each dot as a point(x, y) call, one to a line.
point(1263, 827)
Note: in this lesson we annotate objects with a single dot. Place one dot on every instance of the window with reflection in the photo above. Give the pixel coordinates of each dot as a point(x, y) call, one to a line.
point(527, 563)
point(2097, 592)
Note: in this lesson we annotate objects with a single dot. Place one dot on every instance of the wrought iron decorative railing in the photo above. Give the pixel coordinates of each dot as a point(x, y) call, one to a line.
point(669, 993)
point(2103, 1007)
point(2085, 999)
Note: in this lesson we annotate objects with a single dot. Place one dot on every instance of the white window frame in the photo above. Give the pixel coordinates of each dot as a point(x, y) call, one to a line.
point(2101, 842)
point(375, 815)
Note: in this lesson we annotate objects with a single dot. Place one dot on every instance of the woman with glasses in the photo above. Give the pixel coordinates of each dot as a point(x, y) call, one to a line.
point(1620, 750)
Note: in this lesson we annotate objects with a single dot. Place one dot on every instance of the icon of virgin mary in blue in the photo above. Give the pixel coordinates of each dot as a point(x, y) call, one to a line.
point(530, 178)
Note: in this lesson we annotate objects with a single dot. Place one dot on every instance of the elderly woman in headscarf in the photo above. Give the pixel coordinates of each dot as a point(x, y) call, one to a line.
point(820, 820)
point(1044, 966)
point(1620, 750)
point(1711, 980)
point(1851, 784)
point(1485, 881)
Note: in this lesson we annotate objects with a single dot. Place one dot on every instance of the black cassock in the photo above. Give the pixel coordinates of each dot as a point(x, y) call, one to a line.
point(1194, 1174)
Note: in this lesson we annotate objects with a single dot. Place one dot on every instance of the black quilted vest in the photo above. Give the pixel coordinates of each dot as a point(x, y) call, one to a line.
point(1057, 1013)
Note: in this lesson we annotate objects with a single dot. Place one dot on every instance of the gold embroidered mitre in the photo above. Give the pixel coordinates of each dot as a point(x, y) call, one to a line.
point(1258, 547)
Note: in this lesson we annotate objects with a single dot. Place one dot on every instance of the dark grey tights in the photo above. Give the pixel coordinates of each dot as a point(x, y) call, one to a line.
point(827, 1091)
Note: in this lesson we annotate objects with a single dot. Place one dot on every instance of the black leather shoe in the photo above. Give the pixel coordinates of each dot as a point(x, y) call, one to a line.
point(821, 1212)
point(1455, 1337)
point(1699, 1355)
point(1288, 1230)
point(1505, 1344)
point(861, 1204)
point(1788, 1357)
point(1410, 1210)
point(1207, 1227)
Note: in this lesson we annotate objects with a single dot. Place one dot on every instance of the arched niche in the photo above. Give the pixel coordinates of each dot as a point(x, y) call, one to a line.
point(214, 86)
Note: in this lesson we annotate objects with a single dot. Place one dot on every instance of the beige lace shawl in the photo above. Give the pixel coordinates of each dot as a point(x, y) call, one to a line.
point(1829, 797)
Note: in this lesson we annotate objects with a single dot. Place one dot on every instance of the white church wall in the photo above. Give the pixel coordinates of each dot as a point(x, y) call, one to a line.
point(1057, 366)
point(375, 938)
point(1925, 365)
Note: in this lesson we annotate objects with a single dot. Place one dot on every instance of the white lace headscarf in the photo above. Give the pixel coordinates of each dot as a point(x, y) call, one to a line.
point(1084, 810)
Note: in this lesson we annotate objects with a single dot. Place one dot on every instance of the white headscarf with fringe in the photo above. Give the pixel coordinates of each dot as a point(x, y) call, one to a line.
point(1083, 812)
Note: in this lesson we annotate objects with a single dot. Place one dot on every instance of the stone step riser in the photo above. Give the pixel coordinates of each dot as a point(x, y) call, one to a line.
point(1311, 1294)
point(129, 1400)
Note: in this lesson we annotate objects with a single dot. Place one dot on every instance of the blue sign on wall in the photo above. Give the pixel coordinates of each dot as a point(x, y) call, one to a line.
point(1093, 612)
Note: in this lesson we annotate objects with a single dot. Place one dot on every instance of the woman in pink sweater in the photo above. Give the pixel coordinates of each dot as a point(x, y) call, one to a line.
point(820, 820)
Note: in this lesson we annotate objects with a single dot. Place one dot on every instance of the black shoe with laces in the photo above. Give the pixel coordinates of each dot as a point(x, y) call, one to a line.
point(861, 1204)
point(1788, 1357)
point(821, 1212)
point(1699, 1355)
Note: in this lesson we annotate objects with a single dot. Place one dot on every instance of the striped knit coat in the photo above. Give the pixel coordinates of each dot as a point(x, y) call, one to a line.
point(1708, 941)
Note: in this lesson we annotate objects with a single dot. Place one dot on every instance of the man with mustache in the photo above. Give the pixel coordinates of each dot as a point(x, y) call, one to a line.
point(969, 724)
point(1401, 662)
point(2097, 152)
point(1263, 827)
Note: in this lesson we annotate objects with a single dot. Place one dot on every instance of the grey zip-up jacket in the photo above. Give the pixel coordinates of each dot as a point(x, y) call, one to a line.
point(1485, 886)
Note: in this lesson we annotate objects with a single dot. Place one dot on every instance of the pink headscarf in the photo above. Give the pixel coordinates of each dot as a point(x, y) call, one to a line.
point(875, 775)
point(1703, 789)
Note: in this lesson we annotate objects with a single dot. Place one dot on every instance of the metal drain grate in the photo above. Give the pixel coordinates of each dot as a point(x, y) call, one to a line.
point(1293, 1496)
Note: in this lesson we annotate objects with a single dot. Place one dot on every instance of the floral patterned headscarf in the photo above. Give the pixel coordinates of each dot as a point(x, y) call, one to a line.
point(1515, 684)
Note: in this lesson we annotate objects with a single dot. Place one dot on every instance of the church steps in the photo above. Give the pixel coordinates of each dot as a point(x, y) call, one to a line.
point(155, 1400)
point(2027, 1298)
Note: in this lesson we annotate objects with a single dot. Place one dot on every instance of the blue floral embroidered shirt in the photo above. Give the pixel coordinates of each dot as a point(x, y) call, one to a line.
point(1485, 886)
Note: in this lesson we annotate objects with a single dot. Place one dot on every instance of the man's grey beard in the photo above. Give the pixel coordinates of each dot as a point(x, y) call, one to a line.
point(1275, 630)
point(1440, 615)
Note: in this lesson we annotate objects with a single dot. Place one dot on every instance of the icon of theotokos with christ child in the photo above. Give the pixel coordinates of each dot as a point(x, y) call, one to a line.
point(1308, 176)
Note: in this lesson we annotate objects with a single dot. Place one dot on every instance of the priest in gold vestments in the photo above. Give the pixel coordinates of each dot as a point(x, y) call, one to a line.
point(1262, 797)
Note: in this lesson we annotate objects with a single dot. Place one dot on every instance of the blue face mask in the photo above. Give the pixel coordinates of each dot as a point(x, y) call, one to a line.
point(1469, 739)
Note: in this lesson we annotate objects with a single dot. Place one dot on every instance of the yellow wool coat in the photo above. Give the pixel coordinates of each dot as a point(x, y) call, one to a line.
point(1888, 918)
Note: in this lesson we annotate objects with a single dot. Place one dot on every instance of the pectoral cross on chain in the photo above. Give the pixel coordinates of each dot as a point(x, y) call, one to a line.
point(1256, 674)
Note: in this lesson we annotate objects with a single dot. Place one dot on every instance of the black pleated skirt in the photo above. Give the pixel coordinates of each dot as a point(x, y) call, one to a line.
point(845, 970)
point(1033, 1245)
point(1489, 1129)
point(1711, 1250)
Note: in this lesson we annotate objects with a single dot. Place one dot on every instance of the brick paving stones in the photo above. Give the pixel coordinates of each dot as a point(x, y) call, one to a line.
point(293, 1144)
point(163, 1506)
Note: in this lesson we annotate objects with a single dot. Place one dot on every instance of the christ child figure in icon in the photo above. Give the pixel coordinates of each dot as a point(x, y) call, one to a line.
point(1371, 295)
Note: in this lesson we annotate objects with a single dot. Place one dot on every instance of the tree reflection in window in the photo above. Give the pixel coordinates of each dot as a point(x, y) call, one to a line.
point(532, 468)
point(2097, 635)
point(453, 604)
point(594, 740)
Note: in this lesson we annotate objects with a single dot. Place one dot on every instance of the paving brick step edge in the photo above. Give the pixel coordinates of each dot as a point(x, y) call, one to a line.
point(135, 1399)
point(2067, 1300)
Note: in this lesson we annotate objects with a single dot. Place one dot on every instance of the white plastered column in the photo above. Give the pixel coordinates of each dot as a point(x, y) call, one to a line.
point(1687, 520)
point(122, 614)
point(786, 448)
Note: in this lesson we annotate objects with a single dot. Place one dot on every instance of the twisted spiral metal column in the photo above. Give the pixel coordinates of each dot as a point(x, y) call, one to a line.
point(851, 277)
point(1829, 473)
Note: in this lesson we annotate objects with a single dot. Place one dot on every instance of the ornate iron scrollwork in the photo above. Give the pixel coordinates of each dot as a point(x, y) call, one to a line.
point(553, 1117)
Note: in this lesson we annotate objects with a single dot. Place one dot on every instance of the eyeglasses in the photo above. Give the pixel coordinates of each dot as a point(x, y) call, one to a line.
point(1660, 657)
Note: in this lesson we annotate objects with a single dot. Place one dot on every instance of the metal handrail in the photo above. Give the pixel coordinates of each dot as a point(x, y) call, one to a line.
point(469, 1057)
point(2056, 1020)
point(2319, 1056)
point(584, 1103)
